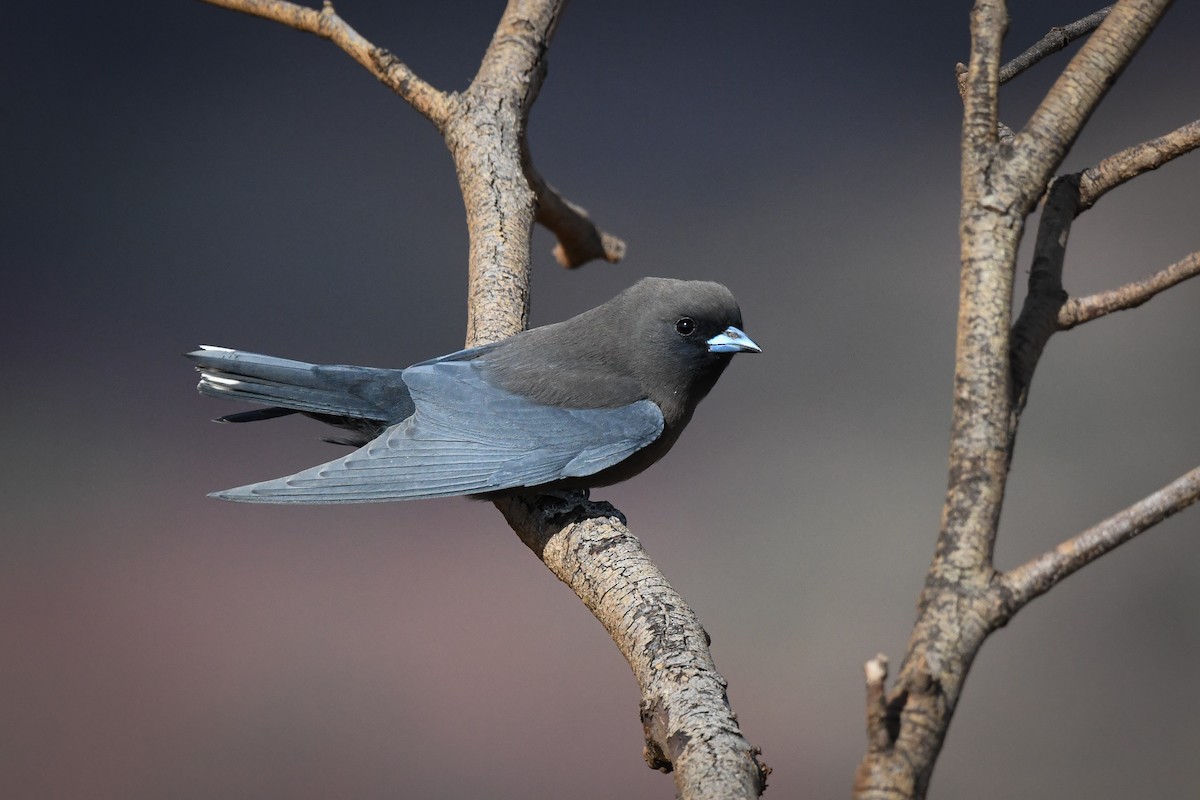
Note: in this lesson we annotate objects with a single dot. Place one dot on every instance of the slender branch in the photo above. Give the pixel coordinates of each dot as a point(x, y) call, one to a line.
point(428, 101)
point(1131, 162)
point(1057, 39)
point(1038, 576)
point(1039, 314)
point(1041, 146)
point(579, 239)
point(1079, 310)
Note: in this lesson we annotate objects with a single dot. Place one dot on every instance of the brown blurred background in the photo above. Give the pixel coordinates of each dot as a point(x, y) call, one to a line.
point(175, 174)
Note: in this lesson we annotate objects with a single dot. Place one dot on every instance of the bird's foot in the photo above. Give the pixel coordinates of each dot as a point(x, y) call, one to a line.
point(575, 505)
point(560, 502)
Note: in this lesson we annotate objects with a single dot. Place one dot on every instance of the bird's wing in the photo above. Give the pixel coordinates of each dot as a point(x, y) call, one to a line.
point(468, 437)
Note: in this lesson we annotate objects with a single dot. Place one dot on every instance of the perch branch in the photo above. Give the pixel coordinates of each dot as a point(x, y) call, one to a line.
point(1128, 164)
point(1038, 576)
point(689, 726)
point(1079, 310)
point(428, 101)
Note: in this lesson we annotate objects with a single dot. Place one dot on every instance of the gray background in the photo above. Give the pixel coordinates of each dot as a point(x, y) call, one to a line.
point(174, 174)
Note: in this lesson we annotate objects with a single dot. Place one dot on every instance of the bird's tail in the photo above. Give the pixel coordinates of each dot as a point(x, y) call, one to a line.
point(288, 386)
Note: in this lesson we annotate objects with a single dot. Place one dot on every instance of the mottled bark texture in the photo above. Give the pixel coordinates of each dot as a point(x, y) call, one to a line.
point(589, 548)
point(689, 726)
point(1004, 174)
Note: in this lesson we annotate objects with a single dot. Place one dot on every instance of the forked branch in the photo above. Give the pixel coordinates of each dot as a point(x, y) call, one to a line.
point(579, 239)
point(689, 726)
point(961, 604)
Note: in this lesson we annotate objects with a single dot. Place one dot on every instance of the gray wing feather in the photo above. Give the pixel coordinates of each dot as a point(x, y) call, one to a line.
point(468, 437)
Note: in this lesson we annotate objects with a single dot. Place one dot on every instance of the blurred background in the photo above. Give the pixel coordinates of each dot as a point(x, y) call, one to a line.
point(174, 173)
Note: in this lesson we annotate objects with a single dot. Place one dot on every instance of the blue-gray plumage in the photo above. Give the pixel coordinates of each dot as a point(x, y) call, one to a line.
point(586, 402)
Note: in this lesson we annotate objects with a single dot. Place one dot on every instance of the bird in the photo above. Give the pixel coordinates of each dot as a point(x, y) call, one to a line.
point(575, 405)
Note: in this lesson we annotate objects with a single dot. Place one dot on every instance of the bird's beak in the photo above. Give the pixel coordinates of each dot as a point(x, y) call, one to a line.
point(732, 340)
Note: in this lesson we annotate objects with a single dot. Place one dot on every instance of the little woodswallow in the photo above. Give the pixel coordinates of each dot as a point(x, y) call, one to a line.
point(586, 402)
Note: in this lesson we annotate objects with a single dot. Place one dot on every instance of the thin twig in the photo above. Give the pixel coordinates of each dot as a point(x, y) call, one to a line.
point(879, 738)
point(1131, 162)
point(579, 238)
point(428, 101)
point(1057, 39)
point(1079, 310)
point(1038, 576)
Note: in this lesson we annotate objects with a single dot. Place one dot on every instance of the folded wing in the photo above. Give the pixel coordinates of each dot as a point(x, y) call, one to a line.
point(468, 437)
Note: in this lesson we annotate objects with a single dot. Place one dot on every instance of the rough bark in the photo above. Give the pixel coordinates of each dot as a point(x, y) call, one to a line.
point(1003, 176)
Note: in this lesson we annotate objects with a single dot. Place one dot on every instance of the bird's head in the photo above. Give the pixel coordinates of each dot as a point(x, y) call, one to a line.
point(686, 333)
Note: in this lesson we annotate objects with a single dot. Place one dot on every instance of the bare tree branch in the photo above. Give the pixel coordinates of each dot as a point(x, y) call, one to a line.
point(1039, 315)
point(1128, 164)
point(688, 724)
point(935, 664)
point(1001, 183)
point(1057, 39)
point(579, 239)
point(1079, 310)
point(1038, 576)
point(1004, 133)
point(431, 103)
point(692, 731)
point(1041, 146)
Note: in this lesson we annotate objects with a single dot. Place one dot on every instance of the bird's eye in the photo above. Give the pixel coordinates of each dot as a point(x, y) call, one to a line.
point(686, 326)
